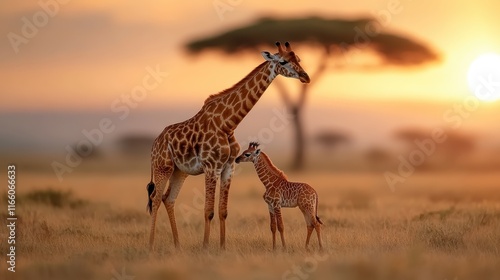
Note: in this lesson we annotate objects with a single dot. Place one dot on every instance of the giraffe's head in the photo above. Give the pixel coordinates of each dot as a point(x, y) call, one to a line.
point(286, 63)
point(249, 155)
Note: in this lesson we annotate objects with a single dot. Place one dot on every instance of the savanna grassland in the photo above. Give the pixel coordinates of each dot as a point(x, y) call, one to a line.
point(434, 226)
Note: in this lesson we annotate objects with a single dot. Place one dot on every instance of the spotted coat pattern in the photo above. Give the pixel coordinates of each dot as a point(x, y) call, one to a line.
point(206, 144)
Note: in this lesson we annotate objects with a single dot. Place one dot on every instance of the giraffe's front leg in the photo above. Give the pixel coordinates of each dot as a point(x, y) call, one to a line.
point(279, 220)
point(210, 184)
point(273, 225)
point(226, 177)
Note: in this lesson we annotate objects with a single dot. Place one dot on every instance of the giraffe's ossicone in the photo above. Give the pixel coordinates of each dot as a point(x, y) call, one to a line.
point(206, 144)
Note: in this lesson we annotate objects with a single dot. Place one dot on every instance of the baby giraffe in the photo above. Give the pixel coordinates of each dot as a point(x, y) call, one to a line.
point(282, 193)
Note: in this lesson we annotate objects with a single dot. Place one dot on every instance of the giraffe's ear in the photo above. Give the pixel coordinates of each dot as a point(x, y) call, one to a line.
point(269, 57)
point(257, 152)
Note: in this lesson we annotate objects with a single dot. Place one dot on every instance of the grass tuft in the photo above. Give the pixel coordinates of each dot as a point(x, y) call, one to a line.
point(53, 198)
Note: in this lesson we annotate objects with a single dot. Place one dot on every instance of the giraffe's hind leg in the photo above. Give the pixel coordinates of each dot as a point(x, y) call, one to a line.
point(318, 231)
point(160, 178)
point(312, 224)
point(156, 197)
point(174, 187)
point(317, 222)
point(309, 225)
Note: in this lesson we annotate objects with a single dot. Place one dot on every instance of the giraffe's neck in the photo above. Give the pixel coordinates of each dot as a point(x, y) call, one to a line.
point(230, 106)
point(268, 173)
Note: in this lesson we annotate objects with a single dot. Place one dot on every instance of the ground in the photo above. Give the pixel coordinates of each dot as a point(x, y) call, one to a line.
point(433, 226)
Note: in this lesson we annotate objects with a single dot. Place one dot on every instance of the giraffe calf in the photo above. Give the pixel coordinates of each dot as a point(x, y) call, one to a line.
point(282, 193)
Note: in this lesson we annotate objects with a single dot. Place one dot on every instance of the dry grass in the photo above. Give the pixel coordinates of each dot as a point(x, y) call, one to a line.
point(432, 227)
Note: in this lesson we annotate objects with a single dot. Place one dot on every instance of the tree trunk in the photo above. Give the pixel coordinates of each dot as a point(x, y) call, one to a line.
point(296, 110)
point(298, 161)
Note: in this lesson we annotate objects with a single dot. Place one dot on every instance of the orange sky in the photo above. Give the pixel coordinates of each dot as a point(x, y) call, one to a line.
point(89, 54)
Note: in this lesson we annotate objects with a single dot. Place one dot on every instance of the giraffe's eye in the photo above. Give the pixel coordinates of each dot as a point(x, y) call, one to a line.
point(283, 62)
point(248, 154)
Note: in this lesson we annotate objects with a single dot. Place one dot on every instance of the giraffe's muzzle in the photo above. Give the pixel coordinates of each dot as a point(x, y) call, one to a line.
point(304, 78)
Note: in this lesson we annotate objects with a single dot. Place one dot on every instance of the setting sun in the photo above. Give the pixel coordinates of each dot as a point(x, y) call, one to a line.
point(483, 77)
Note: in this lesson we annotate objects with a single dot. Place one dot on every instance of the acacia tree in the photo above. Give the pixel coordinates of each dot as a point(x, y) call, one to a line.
point(333, 37)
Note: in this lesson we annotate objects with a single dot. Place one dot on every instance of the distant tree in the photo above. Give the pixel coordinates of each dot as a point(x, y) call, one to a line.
point(87, 151)
point(458, 145)
point(409, 135)
point(378, 158)
point(332, 37)
point(135, 144)
point(455, 145)
point(330, 139)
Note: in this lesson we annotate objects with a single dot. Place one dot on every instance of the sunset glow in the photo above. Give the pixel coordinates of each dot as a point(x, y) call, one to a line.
point(99, 50)
point(110, 139)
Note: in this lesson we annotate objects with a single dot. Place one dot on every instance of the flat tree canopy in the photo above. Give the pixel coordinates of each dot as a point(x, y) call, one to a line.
point(392, 48)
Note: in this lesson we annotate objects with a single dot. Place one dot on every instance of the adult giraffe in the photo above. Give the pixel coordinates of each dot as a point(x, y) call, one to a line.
point(206, 144)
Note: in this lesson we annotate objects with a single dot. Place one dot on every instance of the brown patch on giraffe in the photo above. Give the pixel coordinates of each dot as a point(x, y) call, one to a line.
point(251, 83)
point(233, 99)
point(248, 104)
point(226, 114)
point(220, 108)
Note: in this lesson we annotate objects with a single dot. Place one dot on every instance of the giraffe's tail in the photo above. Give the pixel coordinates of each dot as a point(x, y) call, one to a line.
point(317, 218)
point(151, 189)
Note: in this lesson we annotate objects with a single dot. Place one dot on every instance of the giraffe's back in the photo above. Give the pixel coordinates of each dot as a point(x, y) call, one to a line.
point(298, 194)
point(193, 145)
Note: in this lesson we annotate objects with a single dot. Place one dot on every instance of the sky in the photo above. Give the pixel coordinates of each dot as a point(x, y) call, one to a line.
point(90, 53)
point(83, 60)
